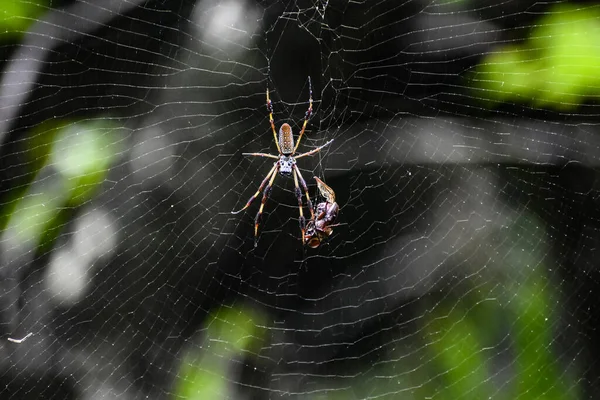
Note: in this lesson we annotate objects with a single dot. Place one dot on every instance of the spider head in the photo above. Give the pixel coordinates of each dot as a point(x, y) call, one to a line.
point(286, 164)
point(286, 139)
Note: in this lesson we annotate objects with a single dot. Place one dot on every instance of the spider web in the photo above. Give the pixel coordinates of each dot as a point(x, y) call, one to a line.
point(464, 160)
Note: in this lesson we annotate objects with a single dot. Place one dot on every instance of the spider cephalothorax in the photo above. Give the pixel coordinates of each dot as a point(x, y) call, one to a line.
point(285, 165)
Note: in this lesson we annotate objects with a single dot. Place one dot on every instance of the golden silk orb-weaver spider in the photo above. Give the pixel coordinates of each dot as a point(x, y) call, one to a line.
point(285, 165)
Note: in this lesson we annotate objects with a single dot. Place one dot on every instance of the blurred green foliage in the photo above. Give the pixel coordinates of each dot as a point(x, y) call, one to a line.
point(557, 67)
point(67, 161)
point(82, 154)
point(489, 335)
point(17, 15)
point(230, 334)
point(35, 149)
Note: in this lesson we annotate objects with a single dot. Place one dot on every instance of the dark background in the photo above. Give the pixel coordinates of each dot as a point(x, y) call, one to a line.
point(437, 191)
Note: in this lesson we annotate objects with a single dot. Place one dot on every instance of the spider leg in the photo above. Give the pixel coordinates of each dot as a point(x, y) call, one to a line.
point(303, 182)
point(298, 194)
point(264, 182)
point(306, 116)
point(313, 151)
point(270, 109)
point(261, 155)
point(263, 202)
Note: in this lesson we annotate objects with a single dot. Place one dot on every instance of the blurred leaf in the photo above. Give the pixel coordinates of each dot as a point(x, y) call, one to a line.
point(36, 149)
point(34, 216)
point(82, 154)
point(531, 307)
point(506, 74)
point(538, 373)
point(558, 66)
point(202, 378)
point(568, 40)
point(459, 354)
point(40, 140)
point(17, 15)
point(231, 333)
point(236, 329)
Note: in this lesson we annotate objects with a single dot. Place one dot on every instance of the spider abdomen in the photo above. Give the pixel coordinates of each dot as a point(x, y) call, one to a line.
point(286, 164)
point(286, 139)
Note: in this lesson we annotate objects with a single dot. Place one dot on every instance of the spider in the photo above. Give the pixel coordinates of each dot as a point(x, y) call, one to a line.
point(285, 165)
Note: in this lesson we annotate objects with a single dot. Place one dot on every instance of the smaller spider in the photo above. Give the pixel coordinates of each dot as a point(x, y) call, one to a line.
point(285, 165)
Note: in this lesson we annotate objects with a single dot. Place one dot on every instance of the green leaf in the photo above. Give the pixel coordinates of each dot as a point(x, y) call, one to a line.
point(458, 354)
point(505, 74)
point(82, 154)
point(558, 66)
point(17, 15)
point(230, 334)
point(568, 42)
